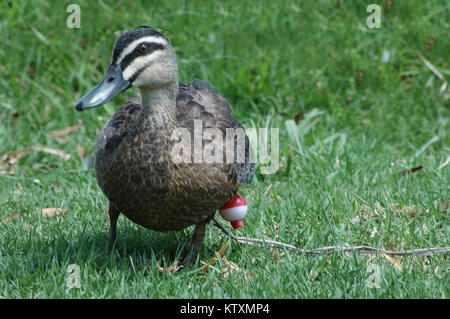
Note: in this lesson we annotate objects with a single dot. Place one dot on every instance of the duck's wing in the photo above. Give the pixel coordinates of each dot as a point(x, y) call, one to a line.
point(117, 127)
point(199, 101)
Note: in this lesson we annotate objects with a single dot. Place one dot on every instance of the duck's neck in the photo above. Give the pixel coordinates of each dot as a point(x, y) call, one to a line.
point(159, 101)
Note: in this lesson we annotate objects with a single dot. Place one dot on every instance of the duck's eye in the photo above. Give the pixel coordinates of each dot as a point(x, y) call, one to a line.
point(143, 48)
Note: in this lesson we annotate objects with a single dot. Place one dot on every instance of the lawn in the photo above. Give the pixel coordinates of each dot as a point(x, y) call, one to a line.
point(356, 108)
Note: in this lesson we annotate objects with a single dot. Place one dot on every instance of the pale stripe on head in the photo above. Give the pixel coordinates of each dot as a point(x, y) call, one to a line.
point(132, 46)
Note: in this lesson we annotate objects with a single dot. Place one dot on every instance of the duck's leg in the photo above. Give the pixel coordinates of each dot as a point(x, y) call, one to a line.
point(113, 214)
point(195, 244)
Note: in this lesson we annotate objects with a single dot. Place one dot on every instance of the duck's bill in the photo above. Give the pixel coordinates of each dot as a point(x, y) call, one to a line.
point(111, 85)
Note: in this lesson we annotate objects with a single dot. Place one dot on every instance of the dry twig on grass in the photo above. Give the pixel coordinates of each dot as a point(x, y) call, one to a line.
point(333, 249)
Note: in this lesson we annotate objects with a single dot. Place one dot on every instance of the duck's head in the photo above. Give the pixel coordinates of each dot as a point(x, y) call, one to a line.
point(141, 58)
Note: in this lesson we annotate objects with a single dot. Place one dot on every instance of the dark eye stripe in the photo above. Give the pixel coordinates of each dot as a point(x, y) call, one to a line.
point(129, 37)
point(126, 61)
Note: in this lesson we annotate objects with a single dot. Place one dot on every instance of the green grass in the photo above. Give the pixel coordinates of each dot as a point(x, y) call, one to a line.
point(364, 122)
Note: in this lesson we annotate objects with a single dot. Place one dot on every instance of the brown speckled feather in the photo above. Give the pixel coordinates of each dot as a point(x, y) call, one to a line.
point(198, 100)
point(135, 170)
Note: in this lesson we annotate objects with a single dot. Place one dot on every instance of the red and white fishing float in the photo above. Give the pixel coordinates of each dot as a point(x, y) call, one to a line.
point(234, 211)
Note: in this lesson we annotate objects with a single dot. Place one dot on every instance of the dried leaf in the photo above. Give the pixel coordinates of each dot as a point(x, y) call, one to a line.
point(7, 171)
point(81, 152)
point(230, 267)
point(443, 207)
point(418, 212)
point(53, 151)
point(11, 158)
point(12, 216)
point(50, 212)
point(106, 210)
point(224, 248)
point(214, 258)
point(41, 168)
point(413, 211)
point(392, 261)
point(277, 254)
point(174, 267)
point(60, 135)
point(412, 170)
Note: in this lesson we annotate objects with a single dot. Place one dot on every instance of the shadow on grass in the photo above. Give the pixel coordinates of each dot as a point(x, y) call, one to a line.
point(137, 248)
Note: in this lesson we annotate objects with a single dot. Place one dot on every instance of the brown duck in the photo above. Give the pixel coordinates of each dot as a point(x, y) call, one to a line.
point(144, 164)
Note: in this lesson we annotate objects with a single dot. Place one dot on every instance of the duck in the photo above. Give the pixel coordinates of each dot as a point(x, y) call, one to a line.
point(147, 162)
